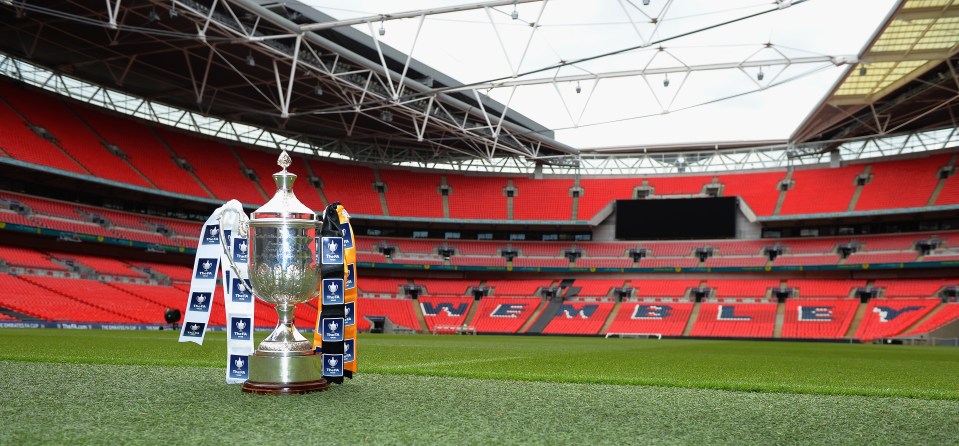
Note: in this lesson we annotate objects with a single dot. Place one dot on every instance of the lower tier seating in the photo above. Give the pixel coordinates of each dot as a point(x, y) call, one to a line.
point(735, 320)
point(945, 315)
point(398, 311)
point(445, 311)
point(503, 315)
point(664, 318)
point(886, 318)
point(818, 318)
point(581, 318)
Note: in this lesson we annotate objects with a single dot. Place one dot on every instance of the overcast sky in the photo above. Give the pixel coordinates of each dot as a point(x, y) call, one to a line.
point(639, 110)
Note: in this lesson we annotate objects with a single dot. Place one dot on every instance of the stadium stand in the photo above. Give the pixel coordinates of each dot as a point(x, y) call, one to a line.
point(597, 287)
point(663, 318)
point(579, 318)
point(481, 198)
point(532, 194)
point(264, 165)
point(358, 190)
point(446, 287)
point(444, 311)
point(381, 285)
point(144, 152)
point(413, 195)
point(901, 184)
point(398, 311)
point(663, 287)
point(945, 315)
point(813, 288)
point(741, 288)
point(807, 197)
point(735, 320)
point(503, 315)
point(24, 295)
point(758, 190)
point(22, 143)
point(818, 318)
point(28, 258)
point(215, 164)
point(885, 318)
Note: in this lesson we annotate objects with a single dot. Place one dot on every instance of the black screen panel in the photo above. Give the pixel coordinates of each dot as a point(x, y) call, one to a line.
point(676, 219)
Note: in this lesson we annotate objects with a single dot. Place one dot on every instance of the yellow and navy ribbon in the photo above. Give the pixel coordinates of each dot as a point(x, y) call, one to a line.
point(335, 334)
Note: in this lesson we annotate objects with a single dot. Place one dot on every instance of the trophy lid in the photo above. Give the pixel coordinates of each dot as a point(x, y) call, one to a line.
point(284, 204)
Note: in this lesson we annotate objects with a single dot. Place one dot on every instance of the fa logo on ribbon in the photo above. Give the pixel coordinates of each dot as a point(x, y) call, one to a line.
point(240, 250)
point(200, 302)
point(332, 365)
point(348, 349)
point(239, 367)
point(194, 330)
point(350, 275)
point(348, 314)
point(212, 235)
point(207, 268)
point(241, 329)
point(332, 329)
point(240, 290)
point(332, 250)
point(347, 235)
point(333, 292)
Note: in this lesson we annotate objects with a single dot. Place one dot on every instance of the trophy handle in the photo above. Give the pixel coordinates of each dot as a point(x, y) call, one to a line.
point(242, 229)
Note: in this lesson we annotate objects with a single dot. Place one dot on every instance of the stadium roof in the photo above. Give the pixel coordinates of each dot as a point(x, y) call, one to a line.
point(905, 80)
point(336, 88)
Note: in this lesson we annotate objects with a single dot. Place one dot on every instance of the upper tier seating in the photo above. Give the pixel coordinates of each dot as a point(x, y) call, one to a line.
point(481, 198)
point(580, 318)
point(76, 138)
point(145, 152)
point(19, 142)
point(818, 318)
point(349, 184)
point(531, 195)
point(902, 184)
point(413, 195)
point(664, 318)
point(503, 315)
point(264, 164)
point(448, 311)
point(807, 196)
point(735, 320)
point(150, 162)
point(215, 164)
point(890, 317)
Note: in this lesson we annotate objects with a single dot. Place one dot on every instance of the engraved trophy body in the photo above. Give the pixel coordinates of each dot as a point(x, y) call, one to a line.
point(284, 271)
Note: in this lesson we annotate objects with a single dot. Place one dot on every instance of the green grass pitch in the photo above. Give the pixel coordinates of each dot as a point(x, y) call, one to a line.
point(109, 387)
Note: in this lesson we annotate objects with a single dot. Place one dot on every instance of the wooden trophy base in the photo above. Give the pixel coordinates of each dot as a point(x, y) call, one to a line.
point(285, 389)
point(285, 375)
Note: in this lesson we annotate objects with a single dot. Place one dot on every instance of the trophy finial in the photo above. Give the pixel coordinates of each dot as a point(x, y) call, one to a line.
point(284, 161)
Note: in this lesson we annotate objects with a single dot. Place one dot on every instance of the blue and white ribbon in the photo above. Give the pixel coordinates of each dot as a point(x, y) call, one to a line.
point(237, 292)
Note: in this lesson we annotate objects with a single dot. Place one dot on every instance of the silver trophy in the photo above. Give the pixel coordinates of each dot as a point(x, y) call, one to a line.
point(284, 271)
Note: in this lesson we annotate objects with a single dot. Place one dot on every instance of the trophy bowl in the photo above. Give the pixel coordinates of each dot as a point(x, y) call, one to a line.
point(284, 272)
